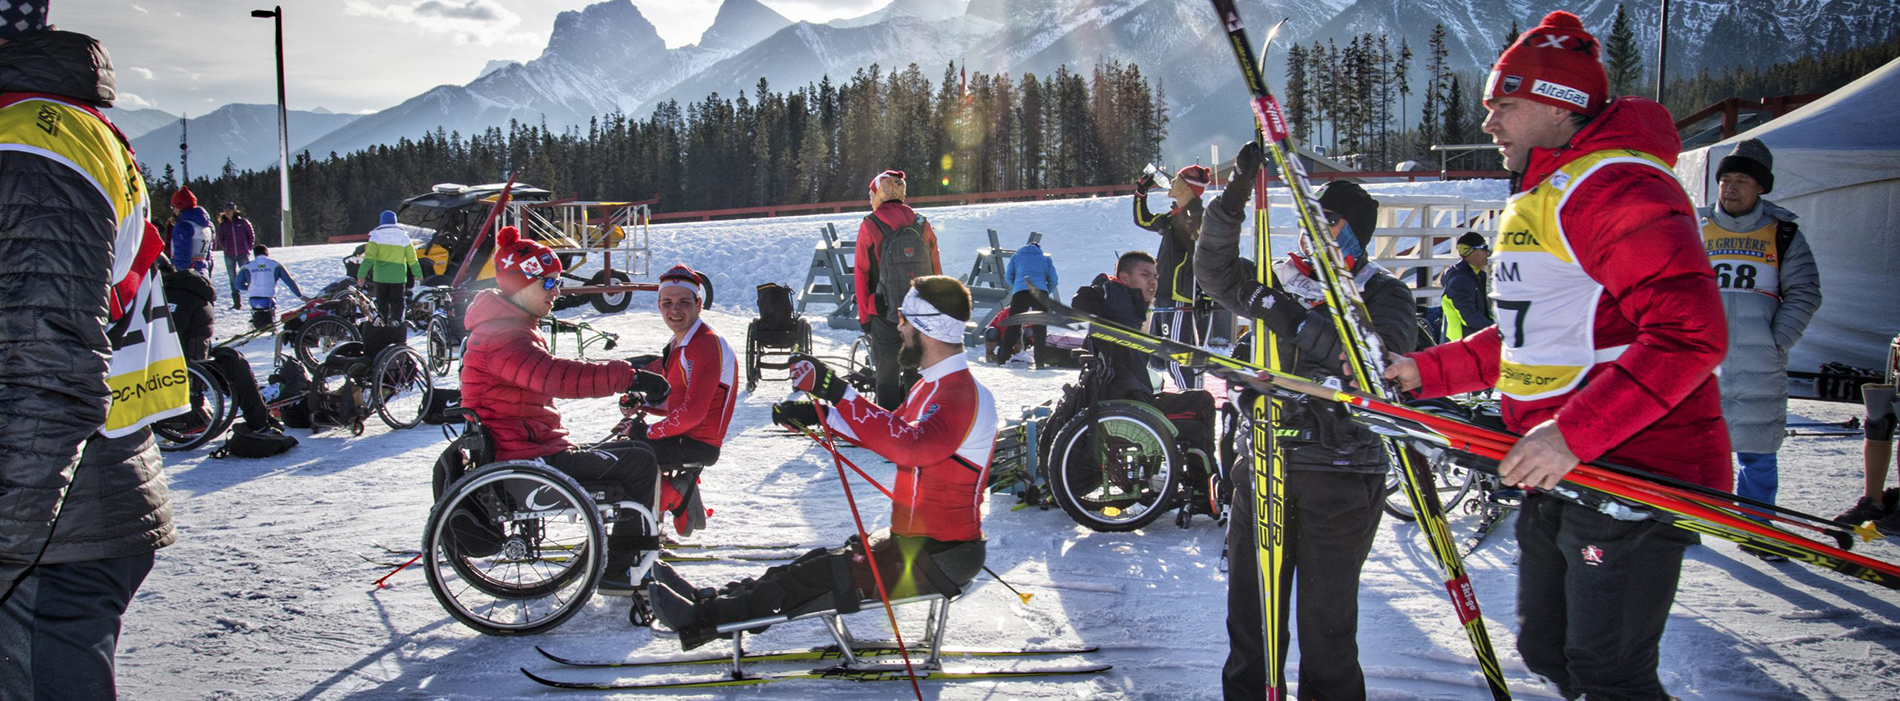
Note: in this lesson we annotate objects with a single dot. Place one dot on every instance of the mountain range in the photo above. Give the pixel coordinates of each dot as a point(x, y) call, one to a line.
point(609, 57)
point(244, 134)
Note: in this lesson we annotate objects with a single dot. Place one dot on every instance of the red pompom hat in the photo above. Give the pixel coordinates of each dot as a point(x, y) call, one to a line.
point(1556, 63)
point(520, 262)
point(1196, 177)
point(183, 199)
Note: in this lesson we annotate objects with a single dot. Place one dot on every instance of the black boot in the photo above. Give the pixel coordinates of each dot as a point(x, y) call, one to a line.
point(664, 573)
point(622, 548)
point(679, 613)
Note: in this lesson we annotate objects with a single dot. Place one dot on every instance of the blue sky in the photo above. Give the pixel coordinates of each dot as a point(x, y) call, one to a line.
point(346, 55)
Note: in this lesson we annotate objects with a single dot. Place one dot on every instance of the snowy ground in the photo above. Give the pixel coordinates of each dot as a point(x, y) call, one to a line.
point(267, 594)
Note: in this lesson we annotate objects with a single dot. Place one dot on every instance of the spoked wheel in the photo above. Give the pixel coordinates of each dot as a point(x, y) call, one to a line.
point(1450, 481)
point(1131, 482)
point(514, 548)
point(400, 387)
point(321, 335)
point(441, 345)
point(205, 418)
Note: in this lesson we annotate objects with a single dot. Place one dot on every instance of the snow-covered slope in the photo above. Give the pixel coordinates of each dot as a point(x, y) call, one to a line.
point(267, 594)
point(246, 134)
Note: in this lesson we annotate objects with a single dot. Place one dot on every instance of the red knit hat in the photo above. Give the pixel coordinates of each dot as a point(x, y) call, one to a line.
point(1556, 63)
point(520, 262)
point(183, 199)
point(1196, 177)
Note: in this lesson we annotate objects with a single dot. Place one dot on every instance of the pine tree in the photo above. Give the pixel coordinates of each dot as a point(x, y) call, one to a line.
point(1511, 37)
point(1297, 109)
point(1431, 117)
point(1402, 75)
point(1624, 57)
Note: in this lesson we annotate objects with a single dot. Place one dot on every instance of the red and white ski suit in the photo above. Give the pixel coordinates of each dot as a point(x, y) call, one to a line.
point(940, 439)
point(701, 373)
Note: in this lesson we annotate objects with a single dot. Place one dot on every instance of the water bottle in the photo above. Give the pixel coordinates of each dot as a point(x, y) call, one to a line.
point(1159, 176)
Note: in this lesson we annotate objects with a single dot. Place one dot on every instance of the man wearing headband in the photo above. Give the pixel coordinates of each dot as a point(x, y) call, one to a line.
point(940, 439)
point(510, 380)
point(1466, 302)
point(895, 245)
point(697, 407)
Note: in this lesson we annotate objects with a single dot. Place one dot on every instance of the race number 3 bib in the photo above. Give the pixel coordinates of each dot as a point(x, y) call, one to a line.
point(1744, 262)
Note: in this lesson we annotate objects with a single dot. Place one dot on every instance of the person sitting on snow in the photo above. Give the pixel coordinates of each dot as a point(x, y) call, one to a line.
point(940, 439)
point(510, 381)
point(702, 373)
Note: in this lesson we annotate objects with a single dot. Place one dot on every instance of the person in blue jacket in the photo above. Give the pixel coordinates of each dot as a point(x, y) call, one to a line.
point(191, 233)
point(1028, 266)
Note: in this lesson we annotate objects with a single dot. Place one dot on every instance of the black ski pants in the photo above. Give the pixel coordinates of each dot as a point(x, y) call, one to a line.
point(1331, 519)
point(838, 578)
point(893, 382)
point(1593, 594)
point(1013, 335)
point(389, 298)
point(627, 471)
point(60, 629)
point(241, 384)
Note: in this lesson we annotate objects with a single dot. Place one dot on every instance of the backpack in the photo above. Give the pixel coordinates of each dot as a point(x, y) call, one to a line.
point(292, 383)
point(775, 307)
point(245, 443)
point(904, 255)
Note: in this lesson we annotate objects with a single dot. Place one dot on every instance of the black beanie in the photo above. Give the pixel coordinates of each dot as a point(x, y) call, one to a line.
point(1352, 202)
point(1750, 158)
point(18, 17)
point(1470, 241)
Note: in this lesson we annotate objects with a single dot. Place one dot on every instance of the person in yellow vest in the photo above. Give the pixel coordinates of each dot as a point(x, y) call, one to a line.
point(1466, 304)
point(1771, 288)
point(1609, 332)
point(389, 264)
point(92, 362)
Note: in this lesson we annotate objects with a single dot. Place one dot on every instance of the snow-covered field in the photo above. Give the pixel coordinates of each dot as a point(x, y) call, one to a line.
point(268, 593)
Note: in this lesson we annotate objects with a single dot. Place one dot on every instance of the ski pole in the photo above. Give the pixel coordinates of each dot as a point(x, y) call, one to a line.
point(870, 559)
point(385, 578)
point(1012, 590)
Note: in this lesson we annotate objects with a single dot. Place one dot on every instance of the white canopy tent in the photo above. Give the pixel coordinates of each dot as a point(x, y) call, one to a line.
point(1837, 166)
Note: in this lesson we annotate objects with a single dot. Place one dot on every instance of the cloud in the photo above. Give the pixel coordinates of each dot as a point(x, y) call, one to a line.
point(145, 73)
point(142, 10)
point(128, 100)
point(465, 21)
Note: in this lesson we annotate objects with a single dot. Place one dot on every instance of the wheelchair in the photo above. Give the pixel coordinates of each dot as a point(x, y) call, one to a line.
point(517, 547)
point(351, 384)
point(771, 339)
point(209, 414)
point(1117, 464)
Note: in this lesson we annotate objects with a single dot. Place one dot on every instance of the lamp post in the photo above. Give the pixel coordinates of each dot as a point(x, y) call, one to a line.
point(283, 127)
point(1662, 51)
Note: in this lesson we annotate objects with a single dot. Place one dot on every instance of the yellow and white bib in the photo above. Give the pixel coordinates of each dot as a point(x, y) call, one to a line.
point(147, 368)
point(1744, 262)
point(1546, 303)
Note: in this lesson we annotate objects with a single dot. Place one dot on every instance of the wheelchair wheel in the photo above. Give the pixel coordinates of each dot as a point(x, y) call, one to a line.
point(441, 345)
point(752, 351)
point(1133, 482)
point(400, 387)
point(514, 548)
point(207, 417)
point(321, 335)
point(1452, 484)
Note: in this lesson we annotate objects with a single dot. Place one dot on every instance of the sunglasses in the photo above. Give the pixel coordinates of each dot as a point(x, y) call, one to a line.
point(550, 283)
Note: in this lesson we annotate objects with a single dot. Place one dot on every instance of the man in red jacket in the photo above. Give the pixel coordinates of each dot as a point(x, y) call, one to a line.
point(881, 276)
point(1609, 328)
point(701, 374)
point(511, 381)
point(940, 440)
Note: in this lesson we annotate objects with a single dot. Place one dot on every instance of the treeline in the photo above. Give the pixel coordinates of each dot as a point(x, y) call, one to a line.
point(1806, 75)
point(818, 143)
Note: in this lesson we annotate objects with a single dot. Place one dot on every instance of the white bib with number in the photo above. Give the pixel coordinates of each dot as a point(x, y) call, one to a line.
point(1744, 262)
point(1546, 303)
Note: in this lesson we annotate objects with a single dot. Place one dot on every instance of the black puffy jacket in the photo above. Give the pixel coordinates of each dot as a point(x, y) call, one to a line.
point(1127, 369)
point(1318, 436)
point(193, 300)
point(56, 246)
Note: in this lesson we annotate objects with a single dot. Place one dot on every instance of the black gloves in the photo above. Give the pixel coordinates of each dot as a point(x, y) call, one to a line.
point(811, 375)
point(1146, 183)
point(1281, 312)
point(1233, 200)
point(652, 385)
point(796, 415)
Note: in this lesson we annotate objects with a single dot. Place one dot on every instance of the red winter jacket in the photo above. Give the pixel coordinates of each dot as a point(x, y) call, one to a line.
point(940, 440)
point(864, 258)
point(1657, 406)
point(510, 380)
point(701, 374)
